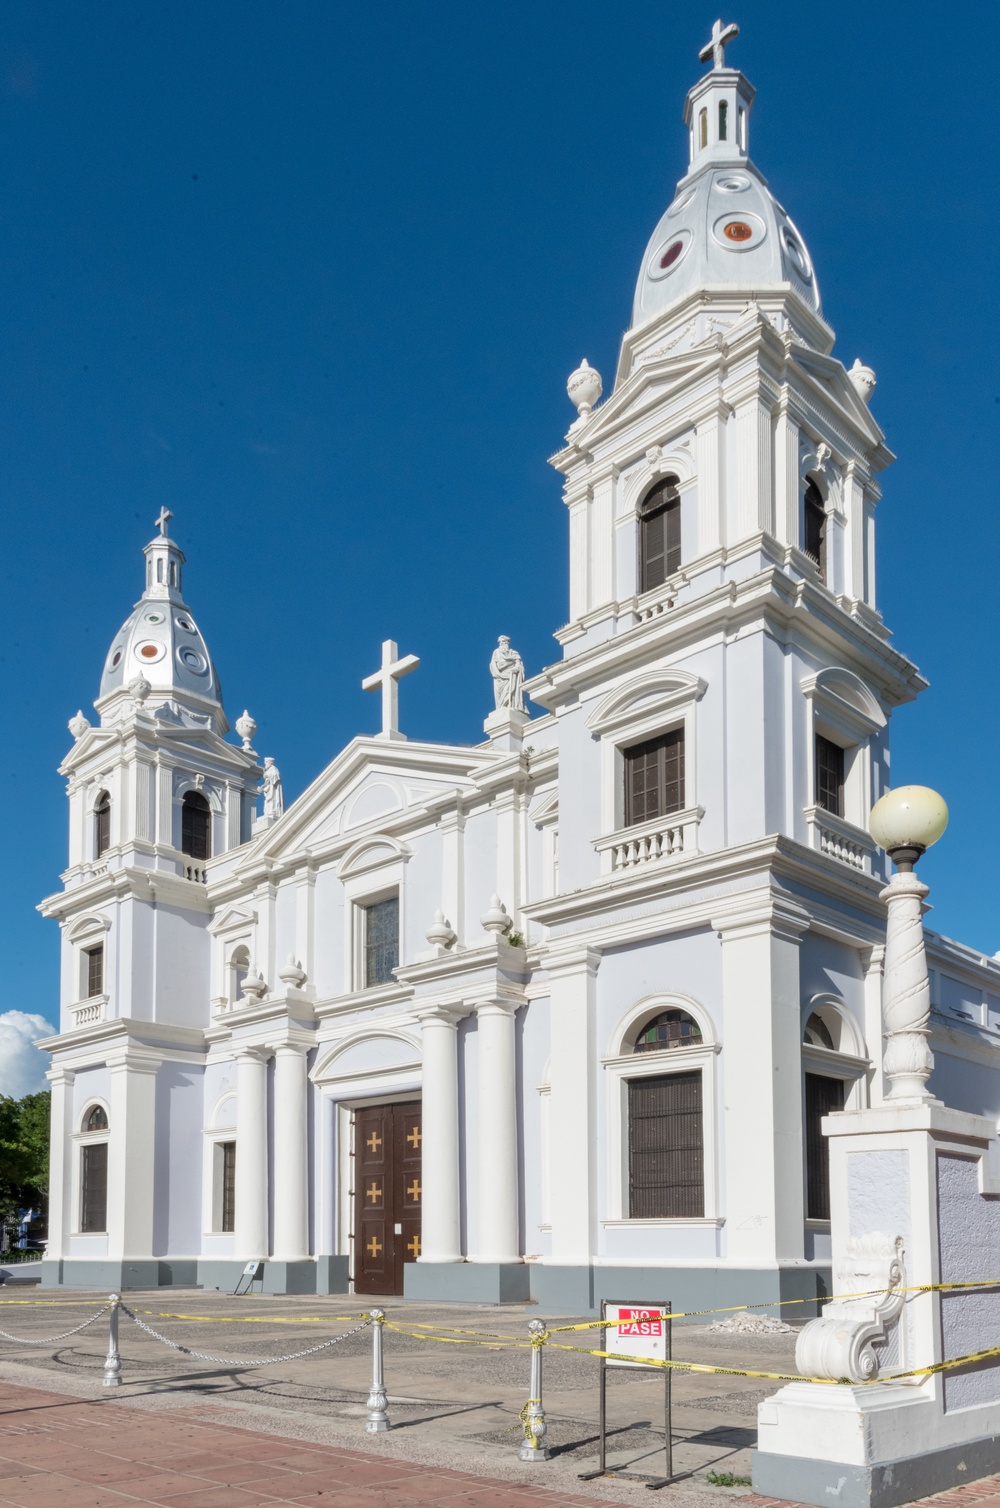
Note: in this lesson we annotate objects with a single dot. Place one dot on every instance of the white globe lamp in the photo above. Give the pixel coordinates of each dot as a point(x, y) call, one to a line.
point(907, 821)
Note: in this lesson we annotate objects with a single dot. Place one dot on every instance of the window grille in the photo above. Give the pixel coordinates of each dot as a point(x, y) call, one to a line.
point(659, 534)
point(97, 1120)
point(95, 970)
point(102, 825)
point(196, 826)
point(381, 941)
point(814, 541)
point(94, 1187)
point(669, 1029)
point(823, 1096)
point(666, 1153)
point(654, 777)
point(829, 776)
point(228, 1185)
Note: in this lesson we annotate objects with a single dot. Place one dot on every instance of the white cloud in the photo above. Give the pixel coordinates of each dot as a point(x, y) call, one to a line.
point(22, 1066)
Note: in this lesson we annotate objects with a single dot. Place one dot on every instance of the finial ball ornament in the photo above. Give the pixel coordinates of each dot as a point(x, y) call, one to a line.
point(912, 816)
point(584, 387)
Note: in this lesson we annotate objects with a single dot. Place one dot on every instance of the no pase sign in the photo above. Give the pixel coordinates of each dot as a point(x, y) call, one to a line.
point(636, 1332)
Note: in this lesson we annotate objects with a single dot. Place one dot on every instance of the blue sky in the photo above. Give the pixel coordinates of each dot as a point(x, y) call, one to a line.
point(313, 275)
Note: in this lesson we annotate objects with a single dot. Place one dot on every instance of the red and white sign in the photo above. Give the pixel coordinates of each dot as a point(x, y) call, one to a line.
point(636, 1336)
point(640, 1322)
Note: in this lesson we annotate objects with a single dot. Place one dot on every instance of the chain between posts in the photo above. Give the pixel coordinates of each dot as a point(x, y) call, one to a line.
point(24, 1340)
point(231, 1361)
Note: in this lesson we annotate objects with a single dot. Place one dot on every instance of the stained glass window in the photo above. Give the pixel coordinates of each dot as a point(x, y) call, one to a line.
point(381, 941)
point(673, 1028)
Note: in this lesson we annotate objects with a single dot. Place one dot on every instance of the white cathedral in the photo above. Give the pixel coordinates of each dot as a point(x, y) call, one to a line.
point(555, 1015)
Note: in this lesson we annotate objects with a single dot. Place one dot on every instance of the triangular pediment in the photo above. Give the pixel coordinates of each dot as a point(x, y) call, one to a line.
point(372, 786)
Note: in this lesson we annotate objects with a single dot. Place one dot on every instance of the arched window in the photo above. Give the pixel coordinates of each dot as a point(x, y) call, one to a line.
point(673, 1028)
point(239, 967)
point(817, 1033)
point(196, 826)
point(94, 1175)
point(97, 1120)
point(723, 120)
point(159, 570)
point(814, 526)
point(659, 534)
point(703, 128)
point(102, 824)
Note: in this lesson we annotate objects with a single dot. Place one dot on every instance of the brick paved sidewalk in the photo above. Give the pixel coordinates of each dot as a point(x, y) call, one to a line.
point(62, 1453)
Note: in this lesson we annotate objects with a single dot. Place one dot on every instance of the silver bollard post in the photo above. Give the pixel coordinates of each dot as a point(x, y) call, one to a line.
point(378, 1417)
point(113, 1362)
point(533, 1446)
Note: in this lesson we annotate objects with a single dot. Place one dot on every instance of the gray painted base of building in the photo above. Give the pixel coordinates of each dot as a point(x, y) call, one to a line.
point(555, 1289)
point(579, 1290)
point(886, 1484)
point(318, 1275)
point(467, 1282)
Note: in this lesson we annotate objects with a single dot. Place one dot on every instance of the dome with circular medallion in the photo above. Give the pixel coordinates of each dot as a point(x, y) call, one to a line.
point(724, 227)
point(160, 640)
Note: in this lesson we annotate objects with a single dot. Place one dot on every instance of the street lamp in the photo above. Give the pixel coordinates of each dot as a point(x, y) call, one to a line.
point(905, 823)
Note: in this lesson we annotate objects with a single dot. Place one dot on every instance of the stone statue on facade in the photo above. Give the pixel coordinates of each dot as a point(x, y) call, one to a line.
point(274, 800)
point(507, 670)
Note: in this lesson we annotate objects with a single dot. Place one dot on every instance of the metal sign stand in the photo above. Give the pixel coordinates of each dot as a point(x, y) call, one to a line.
point(251, 1273)
point(642, 1314)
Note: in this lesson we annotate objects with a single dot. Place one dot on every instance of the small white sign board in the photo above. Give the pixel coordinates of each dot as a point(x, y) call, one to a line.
point(638, 1331)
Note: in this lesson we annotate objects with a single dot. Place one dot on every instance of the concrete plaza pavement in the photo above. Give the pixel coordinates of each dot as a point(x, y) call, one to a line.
point(454, 1406)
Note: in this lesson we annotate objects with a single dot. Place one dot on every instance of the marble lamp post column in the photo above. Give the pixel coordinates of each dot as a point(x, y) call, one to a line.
point(440, 1228)
point(497, 1113)
point(251, 1153)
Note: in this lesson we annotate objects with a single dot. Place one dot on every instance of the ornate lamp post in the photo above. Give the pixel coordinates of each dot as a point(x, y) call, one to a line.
point(905, 823)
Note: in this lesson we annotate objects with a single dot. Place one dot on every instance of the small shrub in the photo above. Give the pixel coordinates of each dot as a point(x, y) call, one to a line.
point(728, 1479)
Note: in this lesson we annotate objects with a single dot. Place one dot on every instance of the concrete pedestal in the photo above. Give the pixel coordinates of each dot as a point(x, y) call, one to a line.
point(467, 1282)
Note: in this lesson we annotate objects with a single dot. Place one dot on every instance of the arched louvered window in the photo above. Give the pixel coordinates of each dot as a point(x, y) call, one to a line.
point(196, 826)
point(814, 526)
point(239, 967)
point(102, 824)
point(97, 1120)
point(659, 534)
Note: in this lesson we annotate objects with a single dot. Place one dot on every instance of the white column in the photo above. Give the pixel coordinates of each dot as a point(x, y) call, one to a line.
point(291, 1188)
point(60, 1162)
point(131, 1153)
point(573, 1103)
point(440, 1239)
point(497, 1151)
point(251, 1153)
point(761, 995)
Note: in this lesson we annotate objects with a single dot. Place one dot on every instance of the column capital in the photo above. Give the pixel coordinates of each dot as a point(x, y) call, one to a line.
point(571, 958)
point(499, 1005)
point(441, 1015)
point(772, 915)
point(255, 1053)
point(58, 1076)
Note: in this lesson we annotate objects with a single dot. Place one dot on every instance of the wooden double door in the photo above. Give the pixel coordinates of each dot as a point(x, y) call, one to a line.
point(387, 1195)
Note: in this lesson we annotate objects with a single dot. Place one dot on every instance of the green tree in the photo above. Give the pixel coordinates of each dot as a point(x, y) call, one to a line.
point(24, 1153)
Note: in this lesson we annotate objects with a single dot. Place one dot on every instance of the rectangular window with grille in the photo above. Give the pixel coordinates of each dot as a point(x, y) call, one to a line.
point(666, 1150)
point(94, 1187)
point(829, 776)
point(381, 941)
point(823, 1097)
point(654, 778)
point(228, 1185)
point(95, 970)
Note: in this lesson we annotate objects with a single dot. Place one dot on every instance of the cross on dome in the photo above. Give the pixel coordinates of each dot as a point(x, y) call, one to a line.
point(163, 521)
point(386, 679)
point(715, 48)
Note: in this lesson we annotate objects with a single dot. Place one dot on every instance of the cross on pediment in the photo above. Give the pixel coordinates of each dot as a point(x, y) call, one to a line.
point(163, 521)
point(715, 48)
point(386, 679)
